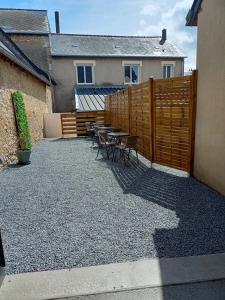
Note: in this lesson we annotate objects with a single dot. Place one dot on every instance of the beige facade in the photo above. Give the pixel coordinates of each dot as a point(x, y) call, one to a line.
point(37, 98)
point(107, 71)
point(209, 162)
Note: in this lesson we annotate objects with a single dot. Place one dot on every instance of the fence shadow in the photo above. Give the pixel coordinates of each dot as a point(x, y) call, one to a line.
point(201, 211)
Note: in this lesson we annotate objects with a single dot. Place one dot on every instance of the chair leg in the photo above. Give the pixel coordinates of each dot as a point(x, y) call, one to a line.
point(107, 152)
point(98, 151)
point(137, 155)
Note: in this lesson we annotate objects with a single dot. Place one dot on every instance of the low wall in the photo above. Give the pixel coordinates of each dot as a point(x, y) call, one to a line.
point(52, 125)
point(37, 98)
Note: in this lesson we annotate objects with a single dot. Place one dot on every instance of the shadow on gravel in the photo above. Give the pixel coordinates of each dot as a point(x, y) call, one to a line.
point(200, 209)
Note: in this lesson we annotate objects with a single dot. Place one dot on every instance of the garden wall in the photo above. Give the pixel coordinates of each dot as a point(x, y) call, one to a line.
point(37, 98)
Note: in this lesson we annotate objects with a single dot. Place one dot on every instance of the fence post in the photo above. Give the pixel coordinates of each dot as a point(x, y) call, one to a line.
point(129, 107)
point(152, 118)
point(110, 109)
point(193, 117)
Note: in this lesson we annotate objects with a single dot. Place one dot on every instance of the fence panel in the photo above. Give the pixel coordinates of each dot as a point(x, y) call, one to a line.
point(140, 123)
point(173, 122)
point(162, 113)
point(74, 123)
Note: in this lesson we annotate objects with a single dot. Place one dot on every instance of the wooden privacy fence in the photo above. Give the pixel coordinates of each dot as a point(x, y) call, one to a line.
point(74, 123)
point(162, 113)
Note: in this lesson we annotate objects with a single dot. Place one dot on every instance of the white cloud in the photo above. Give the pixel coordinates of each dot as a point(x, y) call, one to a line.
point(150, 9)
point(171, 16)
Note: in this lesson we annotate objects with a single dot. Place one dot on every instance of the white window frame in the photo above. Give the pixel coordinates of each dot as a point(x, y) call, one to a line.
point(85, 63)
point(130, 64)
point(168, 64)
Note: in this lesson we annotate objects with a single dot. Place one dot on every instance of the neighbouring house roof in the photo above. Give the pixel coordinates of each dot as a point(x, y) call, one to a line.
point(80, 45)
point(192, 16)
point(10, 50)
point(24, 21)
point(93, 98)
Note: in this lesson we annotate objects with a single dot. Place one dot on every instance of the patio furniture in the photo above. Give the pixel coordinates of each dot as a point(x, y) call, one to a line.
point(117, 135)
point(104, 143)
point(129, 143)
point(89, 129)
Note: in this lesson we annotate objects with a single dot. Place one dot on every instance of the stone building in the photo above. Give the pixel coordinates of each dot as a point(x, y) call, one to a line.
point(17, 72)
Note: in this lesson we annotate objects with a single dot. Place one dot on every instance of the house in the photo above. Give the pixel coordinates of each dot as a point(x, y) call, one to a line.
point(18, 72)
point(209, 163)
point(88, 67)
point(86, 64)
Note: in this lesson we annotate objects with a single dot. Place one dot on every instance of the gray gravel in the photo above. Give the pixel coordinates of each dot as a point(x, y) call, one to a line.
point(68, 210)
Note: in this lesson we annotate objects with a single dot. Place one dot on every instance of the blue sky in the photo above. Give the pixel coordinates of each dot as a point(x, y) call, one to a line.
point(121, 17)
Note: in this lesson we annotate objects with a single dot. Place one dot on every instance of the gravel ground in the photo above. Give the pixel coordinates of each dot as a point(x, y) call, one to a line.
point(67, 209)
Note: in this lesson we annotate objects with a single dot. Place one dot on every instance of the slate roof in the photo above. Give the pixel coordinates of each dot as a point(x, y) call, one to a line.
point(10, 50)
point(93, 98)
point(111, 46)
point(24, 21)
point(192, 16)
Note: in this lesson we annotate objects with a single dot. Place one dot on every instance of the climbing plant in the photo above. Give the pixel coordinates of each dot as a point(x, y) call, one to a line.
point(21, 118)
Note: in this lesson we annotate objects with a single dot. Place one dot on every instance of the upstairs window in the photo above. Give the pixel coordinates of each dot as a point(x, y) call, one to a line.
point(131, 74)
point(168, 70)
point(85, 74)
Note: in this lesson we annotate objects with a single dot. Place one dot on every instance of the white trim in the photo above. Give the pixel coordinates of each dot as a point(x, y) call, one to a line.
point(132, 62)
point(83, 62)
point(167, 62)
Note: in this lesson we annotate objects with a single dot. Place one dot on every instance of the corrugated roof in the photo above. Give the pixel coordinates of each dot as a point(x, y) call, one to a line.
point(9, 49)
point(93, 98)
point(111, 46)
point(24, 21)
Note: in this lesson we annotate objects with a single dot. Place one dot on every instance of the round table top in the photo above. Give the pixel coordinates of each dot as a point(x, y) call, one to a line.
point(106, 127)
point(118, 134)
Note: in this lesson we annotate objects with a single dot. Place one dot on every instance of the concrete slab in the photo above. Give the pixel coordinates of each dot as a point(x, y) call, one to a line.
point(198, 291)
point(113, 277)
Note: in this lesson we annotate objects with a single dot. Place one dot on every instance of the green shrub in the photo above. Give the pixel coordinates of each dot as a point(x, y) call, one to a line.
point(22, 123)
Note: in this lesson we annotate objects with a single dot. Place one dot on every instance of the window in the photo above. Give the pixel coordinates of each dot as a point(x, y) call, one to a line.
point(131, 73)
point(168, 70)
point(85, 74)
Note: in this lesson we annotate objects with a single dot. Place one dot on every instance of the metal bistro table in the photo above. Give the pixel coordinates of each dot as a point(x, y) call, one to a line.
point(117, 136)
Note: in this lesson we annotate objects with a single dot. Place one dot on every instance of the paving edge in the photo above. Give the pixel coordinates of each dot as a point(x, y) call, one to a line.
point(140, 274)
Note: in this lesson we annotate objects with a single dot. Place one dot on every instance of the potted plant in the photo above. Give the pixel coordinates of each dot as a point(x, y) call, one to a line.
point(24, 151)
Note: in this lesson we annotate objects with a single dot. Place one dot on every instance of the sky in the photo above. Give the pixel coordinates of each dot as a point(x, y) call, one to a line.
point(121, 17)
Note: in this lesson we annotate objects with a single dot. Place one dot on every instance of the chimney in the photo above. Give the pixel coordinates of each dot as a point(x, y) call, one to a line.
point(57, 27)
point(164, 36)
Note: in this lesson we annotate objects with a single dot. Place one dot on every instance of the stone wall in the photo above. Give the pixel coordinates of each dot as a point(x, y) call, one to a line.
point(37, 98)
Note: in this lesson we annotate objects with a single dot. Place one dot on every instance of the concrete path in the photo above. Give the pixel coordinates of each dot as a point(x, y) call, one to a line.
point(144, 277)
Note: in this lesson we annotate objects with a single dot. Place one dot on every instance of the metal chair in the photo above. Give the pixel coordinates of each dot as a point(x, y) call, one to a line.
point(127, 145)
point(104, 143)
